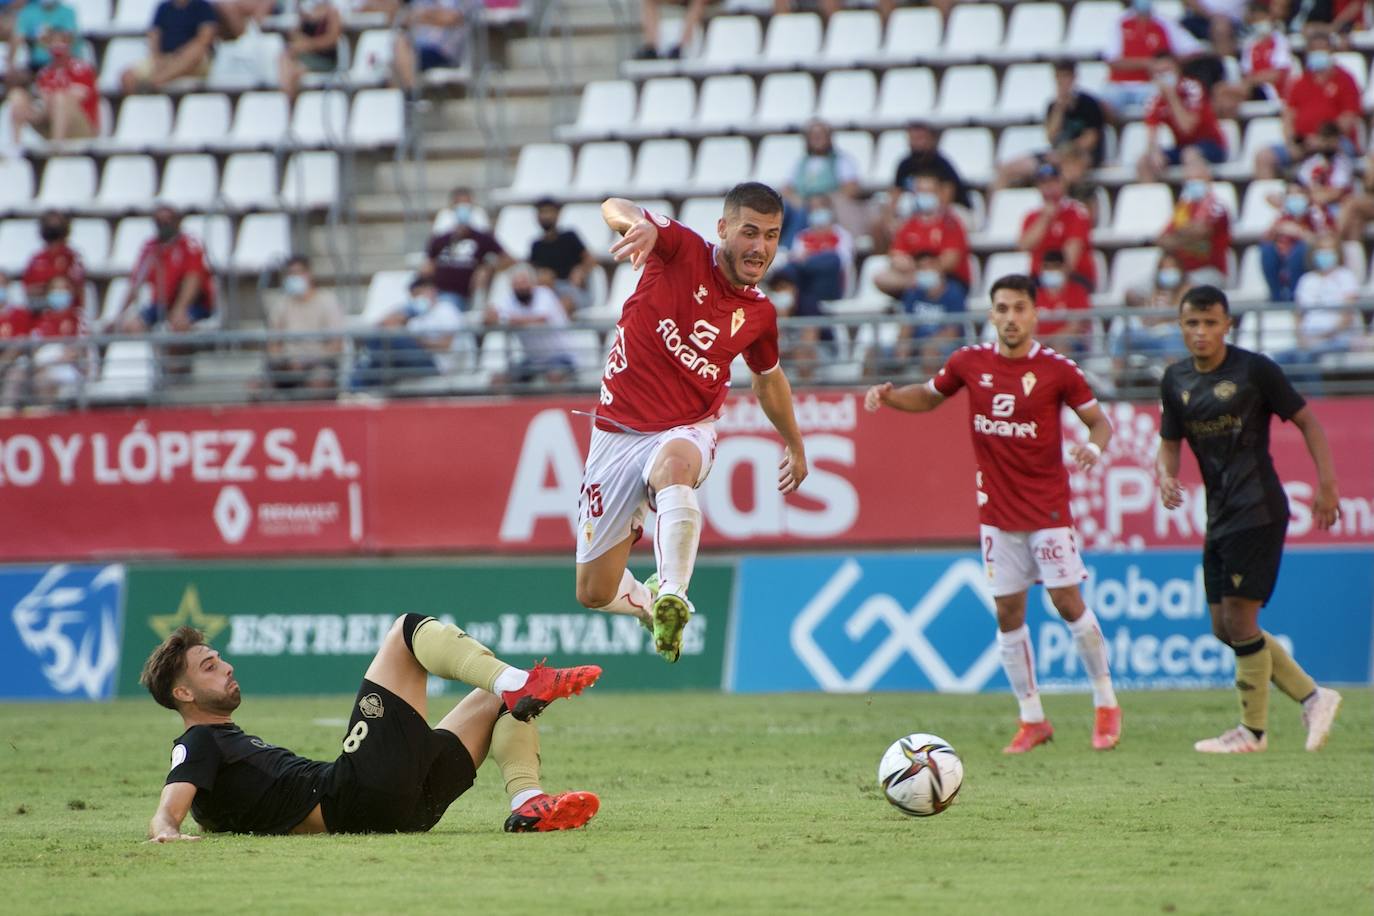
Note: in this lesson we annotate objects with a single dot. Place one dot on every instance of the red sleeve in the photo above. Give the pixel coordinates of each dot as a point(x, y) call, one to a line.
point(1077, 393)
point(195, 258)
point(671, 235)
point(954, 228)
point(950, 378)
point(762, 355)
point(1154, 114)
point(1350, 94)
point(1081, 226)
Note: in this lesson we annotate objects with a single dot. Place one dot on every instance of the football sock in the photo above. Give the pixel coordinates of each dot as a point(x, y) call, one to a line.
point(1254, 666)
point(1092, 649)
point(677, 536)
point(515, 748)
point(632, 597)
point(447, 651)
point(1019, 663)
point(1288, 674)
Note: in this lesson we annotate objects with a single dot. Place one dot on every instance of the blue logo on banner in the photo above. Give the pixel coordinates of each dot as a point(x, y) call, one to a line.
point(61, 629)
point(926, 622)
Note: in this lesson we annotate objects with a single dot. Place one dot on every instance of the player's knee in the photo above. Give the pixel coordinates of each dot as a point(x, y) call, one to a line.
point(403, 630)
point(593, 595)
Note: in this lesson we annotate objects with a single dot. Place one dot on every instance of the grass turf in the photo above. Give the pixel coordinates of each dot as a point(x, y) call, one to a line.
point(733, 804)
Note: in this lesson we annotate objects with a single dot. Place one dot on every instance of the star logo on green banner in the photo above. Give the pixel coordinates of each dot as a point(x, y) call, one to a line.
point(189, 613)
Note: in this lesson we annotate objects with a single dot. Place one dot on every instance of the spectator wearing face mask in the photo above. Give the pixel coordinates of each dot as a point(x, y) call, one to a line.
point(1055, 293)
point(822, 258)
point(1198, 233)
point(1140, 34)
point(462, 261)
point(1062, 224)
point(1285, 245)
point(1151, 338)
point(54, 369)
point(1184, 105)
point(535, 316)
point(1328, 172)
point(1326, 322)
point(462, 204)
point(930, 225)
point(65, 104)
point(560, 258)
point(36, 19)
point(1325, 92)
point(823, 169)
point(924, 343)
point(1357, 212)
point(55, 259)
point(174, 268)
point(302, 307)
point(437, 341)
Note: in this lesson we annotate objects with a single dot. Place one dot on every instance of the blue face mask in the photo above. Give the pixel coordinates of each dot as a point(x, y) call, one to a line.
point(462, 214)
point(1295, 205)
point(1194, 189)
point(1142, 6)
point(60, 299)
point(1052, 279)
point(1324, 259)
point(927, 202)
point(927, 278)
point(1170, 278)
point(820, 218)
point(1318, 61)
point(295, 285)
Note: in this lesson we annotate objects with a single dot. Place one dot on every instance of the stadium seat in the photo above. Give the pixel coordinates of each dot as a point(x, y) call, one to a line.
point(320, 119)
point(260, 121)
point(264, 242)
point(385, 292)
point(18, 242)
point(661, 167)
point(1090, 22)
point(851, 36)
point(1250, 285)
point(1141, 212)
point(726, 103)
point(793, 38)
point(1092, 75)
point(371, 64)
point(967, 94)
point(543, 168)
point(867, 298)
point(190, 181)
point(1225, 192)
point(111, 304)
point(130, 235)
point(127, 372)
point(606, 108)
point(1035, 29)
point(215, 235)
point(1260, 133)
point(974, 31)
point(892, 147)
point(859, 145)
point(905, 94)
point(516, 228)
point(201, 118)
point(94, 16)
point(377, 119)
point(1256, 213)
point(1006, 212)
point(776, 159)
point(16, 183)
point(847, 97)
point(1024, 140)
point(731, 42)
point(68, 183)
point(127, 183)
point(586, 220)
point(1000, 264)
point(786, 100)
point(1131, 267)
point(913, 33)
point(718, 160)
point(971, 147)
point(700, 214)
point(144, 123)
point(311, 181)
point(602, 167)
point(623, 283)
point(134, 16)
point(249, 181)
point(91, 239)
point(120, 54)
point(1134, 142)
point(1269, 332)
point(1355, 64)
point(666, 104)
point(1027, 90)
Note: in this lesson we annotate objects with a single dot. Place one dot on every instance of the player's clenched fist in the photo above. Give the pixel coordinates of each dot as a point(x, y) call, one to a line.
point(877, 396)
point(1170, 493)
point(636, 244)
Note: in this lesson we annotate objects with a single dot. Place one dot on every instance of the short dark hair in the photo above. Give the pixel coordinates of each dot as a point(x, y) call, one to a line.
point(168, 662)
point(1065, 66)
point(755, 195)
point(1204, 297)
point(1017, 282)
point(295, 259)
point(925, 253)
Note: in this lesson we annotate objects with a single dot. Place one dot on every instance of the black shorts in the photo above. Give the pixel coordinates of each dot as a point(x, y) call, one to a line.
point(395, 774)
point(1243, 564)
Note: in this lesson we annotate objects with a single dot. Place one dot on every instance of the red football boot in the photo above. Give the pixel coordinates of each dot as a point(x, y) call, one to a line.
point(1107, 728)
point(1028, 736)
point(553, 812)
point(546, 685)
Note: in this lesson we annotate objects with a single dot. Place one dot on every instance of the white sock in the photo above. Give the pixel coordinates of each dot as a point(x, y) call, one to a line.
point(676, 537)
point(632, 597)
point(521, 797)
point(1018, 660)
point(1092, 649)
point(510, 679)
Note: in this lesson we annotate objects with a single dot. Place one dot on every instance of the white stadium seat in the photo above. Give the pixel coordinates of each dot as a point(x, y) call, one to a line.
point(661, 167)
point(893, 146)
point(260, 121)
point(667, 103)
point(851, 36)
point(718, 160)
point(1024, 140)
point(1256, 213)
point(311, 181)
point(1000, 264)
point(847, 97)
point(1027, 90)
point(130, 235)
point(586, 220)
point(913, 33)
point(249, 181)
point(974, 30)
point(19, 241)
point(1007, 211)
point(1034, 29)
point(91, 239)
point(1260, 134)
point(1090, 22)
point(68, 183)
point(320, 119)
point(602, 167)
point(134, 15)
point(145, 121)
point(386, 291)
point(16, 182)
point(371, 64)
point(700, 214)
point(858, 144)
point(971, 147)
point(1132, 267)
point(1141, 211)
point(776, 159)
point(543, 168)
point(786, 99)
point(623, 283)
point(264, 242)
point(190, 181)
point(793, 38)
point(607, 106)
point(1250, 285)
point(93, 16)
point(201, 118)
point(516, 228)
point(127, 371)
point(120, 54)
point(1134, 142)
point(967, 94)
point(726, 102)
point(215, 234)
point(127, 183)
point(731, 41)
point(377, 119)
point(905, 94)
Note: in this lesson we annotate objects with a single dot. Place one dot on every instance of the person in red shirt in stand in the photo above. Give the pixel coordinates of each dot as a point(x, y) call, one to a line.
point(55, 259)
point(696, 308)
point(1199, 231)
point(1266, 65)
point(1325, 92)
point(174, 267)
point(931, 226)
point(1062, 224)
point(1138, 37)
point(1184, 105)
point(67, 105)
point(1055, 293)
point(1017, 390)
point(1284, 247)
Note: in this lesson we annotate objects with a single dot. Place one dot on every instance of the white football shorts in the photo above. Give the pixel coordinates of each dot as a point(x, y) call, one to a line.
point(1016, 560)
point(614, 498)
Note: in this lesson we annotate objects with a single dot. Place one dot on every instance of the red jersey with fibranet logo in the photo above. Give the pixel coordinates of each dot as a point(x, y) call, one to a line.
point(678, 334)
point(1014, 407)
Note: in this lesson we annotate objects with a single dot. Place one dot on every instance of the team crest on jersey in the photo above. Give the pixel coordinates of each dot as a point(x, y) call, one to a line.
point(1236, 580)
point(371, 706)
point(736, 321)
point(588, 530)
point(986, 380)
point(1028, 382)
point(1224, 391)
point(1185, 395)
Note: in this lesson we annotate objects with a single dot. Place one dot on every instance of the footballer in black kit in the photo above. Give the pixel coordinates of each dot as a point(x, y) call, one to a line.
point(1222, 400)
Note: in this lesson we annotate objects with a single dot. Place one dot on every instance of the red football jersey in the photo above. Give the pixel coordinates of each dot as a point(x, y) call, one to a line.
point(1071, 220)
point(1314, 100)
point(59, 261)
point(938, 232)
point(1197, 100)
point(678, 334)
point(1211, 211)
point(165, 265)
point(59, 77)
point(1014, 407)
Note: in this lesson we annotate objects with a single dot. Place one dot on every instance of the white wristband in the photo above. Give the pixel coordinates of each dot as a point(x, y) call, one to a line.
point(1093, 447)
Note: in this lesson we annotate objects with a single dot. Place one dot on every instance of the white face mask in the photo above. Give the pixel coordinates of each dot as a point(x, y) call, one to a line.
point(1052, 279)
point(927, 279)
point(295, 285)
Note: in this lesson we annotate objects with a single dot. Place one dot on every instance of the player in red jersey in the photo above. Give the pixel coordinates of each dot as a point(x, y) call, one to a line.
point(1017, 389)
point(696, 308)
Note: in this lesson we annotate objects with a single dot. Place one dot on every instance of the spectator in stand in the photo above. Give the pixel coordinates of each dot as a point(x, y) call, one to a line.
point(1184, 105)
point(800, 346)
point(36, 19)
point(235, 16)
point(45, 372)
point(1131, 50)
point(1327, 323)
point(649, 17)
point(434, 36)
point(819, 270)
point(931, 301)
point(1266, 65)
point(436, 344)
point(461, 209)
point(1074, 121)
point(174, 268)
point(179, 44)
point(1055, 293)
point(1214, 21)
point(1198, 234)
point(66, 104)
point(1357, 213)
point(1332, 17)
point(462, 261)
point(1328, 172)
point(925, 156)
point(1142, 337)
point(536, 317)
point(1062, 224)
point(312, 46)
point(930, 226)
point(8, 13)
point(560, 258)
point(823, 170)
point(1286, 244)
point(301, 307)
point(55, 259)
point(1325, 92)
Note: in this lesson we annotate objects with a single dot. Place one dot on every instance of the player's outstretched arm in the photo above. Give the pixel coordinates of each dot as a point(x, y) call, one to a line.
point(775, 397)
point(1099, 434)
point(1166, 470)
point(172, 808)
point(1327, 506)
point(912, 398)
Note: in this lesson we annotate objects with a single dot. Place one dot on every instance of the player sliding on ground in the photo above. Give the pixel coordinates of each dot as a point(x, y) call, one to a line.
point(1221, 400)
point(1016, 390)
point(696, 308)
point(395, 773)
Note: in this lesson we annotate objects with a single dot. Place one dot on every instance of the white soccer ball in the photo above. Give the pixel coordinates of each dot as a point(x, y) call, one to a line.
point(920, 774)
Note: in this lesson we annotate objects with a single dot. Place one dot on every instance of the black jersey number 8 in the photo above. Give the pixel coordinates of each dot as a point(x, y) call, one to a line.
point(355, 737)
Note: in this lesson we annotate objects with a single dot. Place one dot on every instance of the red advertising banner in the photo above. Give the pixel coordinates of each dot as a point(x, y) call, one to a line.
point(503, 476)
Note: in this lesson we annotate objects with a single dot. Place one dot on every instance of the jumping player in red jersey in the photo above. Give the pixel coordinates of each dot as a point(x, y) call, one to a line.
point(1016, 391)
point(696, 308)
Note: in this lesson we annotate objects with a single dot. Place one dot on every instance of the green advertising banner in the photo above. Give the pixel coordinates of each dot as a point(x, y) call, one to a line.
point(292, 628)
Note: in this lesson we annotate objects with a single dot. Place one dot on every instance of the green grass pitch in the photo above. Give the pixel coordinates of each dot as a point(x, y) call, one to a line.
point(732, 804)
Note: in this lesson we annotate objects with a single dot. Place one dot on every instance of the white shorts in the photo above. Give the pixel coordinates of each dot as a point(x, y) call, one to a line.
point(614, 498)
point(1016, 560)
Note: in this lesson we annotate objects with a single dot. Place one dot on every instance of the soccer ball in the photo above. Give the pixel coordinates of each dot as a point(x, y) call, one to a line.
point(920, 775)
